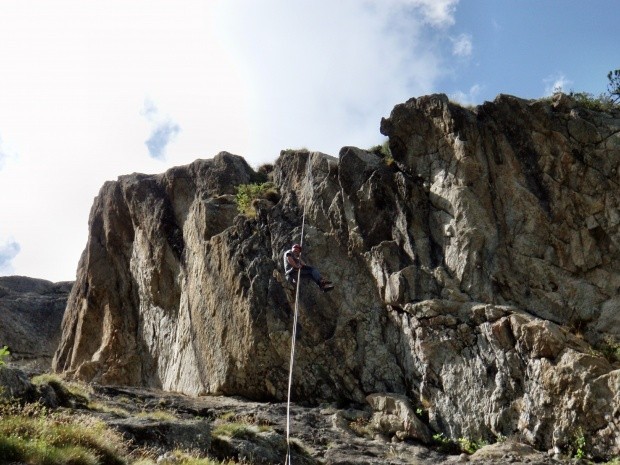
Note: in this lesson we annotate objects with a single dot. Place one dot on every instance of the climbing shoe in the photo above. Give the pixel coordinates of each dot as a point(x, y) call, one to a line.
point(326, 286)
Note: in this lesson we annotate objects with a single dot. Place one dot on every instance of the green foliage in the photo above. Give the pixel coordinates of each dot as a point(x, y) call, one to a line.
point(446, 445)
point(469, 446)
point(248, 193)
point(69, 393)
point(577, 448)
point(30, 435)
point(610, 349)
point(449, 446)
point(422, 414)
point(613, 87)
point(4, 352)
point(383, 151)
point(103, 408)
point(241, 427)
point(589, 101)
point(234, 430)
point(159, 415)
point(604, 102)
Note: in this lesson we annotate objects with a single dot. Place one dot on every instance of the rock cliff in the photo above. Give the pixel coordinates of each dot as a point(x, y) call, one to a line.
point(477, 273)
point(31, 312)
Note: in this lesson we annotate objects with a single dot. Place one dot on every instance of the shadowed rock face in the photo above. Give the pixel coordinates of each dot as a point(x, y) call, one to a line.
point(31, 312)
point(462, 271)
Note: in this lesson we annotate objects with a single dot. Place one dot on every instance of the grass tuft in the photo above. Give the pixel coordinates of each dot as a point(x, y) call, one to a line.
point(58, 439)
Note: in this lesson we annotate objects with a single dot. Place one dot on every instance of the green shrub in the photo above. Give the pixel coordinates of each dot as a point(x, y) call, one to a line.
point(248, 193)
point(577, 448)
point(589, 101)
point(470, 446)
point(446, 445)
point(32, 436)
point(610, 349)
point(4, 352)
point(383, 151)
point(234, 430)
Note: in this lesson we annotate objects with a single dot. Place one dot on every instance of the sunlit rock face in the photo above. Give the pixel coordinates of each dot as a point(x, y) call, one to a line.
point(477, 273)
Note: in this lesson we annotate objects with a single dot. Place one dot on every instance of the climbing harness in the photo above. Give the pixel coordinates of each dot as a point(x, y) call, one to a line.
point(293, 339)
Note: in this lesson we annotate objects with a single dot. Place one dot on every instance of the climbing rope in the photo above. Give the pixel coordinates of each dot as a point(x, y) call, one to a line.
point(294, 338)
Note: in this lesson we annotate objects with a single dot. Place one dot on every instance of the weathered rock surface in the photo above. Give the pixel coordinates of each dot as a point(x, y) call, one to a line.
point(14, 383)
point(31, 312)
point(255, 432)
point(476, 275)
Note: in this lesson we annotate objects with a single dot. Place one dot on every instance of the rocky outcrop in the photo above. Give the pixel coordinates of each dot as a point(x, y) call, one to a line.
point(524, 202)
point(31, 312)
point(476, 274)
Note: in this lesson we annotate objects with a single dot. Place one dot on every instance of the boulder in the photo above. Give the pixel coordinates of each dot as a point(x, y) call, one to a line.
point(395, 416)
point(14, 383)
point(31, 312)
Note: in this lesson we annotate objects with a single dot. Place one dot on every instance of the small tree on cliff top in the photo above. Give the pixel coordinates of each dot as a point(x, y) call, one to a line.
point(614, 85)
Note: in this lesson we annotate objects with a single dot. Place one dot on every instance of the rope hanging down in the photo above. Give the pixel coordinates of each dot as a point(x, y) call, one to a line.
point(294, 338)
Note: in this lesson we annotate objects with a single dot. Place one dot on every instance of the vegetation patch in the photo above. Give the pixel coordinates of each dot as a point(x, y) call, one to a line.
point(247, 194)
point(383, 151)
point(30, 435)
point(239, 430)
point(610, 349)
point(103, 408)
point(158, 415)
point(577, 448)
point(234, 430)
point(4, 352)
point(466, 445)
point(604, 102)
point(362, 427)
point(469, 446)
point(445, 444)
point(75, 388)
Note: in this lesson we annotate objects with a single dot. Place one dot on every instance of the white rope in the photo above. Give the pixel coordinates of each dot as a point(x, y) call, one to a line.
point(288, 460)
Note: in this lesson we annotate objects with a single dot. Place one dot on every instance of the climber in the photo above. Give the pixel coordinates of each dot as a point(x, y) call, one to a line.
point(293, 262)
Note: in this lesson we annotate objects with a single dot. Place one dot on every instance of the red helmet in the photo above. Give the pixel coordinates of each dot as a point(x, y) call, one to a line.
point(296, 246)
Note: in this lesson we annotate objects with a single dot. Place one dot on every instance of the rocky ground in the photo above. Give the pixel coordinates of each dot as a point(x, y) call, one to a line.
point(255, 432)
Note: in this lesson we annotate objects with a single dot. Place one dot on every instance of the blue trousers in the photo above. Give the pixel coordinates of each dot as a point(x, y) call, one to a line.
point(308, 271)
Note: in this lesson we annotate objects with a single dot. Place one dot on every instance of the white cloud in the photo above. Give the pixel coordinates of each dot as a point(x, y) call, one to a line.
point(435, 12)
point(438, 12)
point(462, 45)
point(326, 72)
point(467, 98)
point(556, 82)
point(248, 77)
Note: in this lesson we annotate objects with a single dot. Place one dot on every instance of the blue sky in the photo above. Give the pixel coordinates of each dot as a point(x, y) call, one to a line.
point(525, 47)
point(90, 91)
